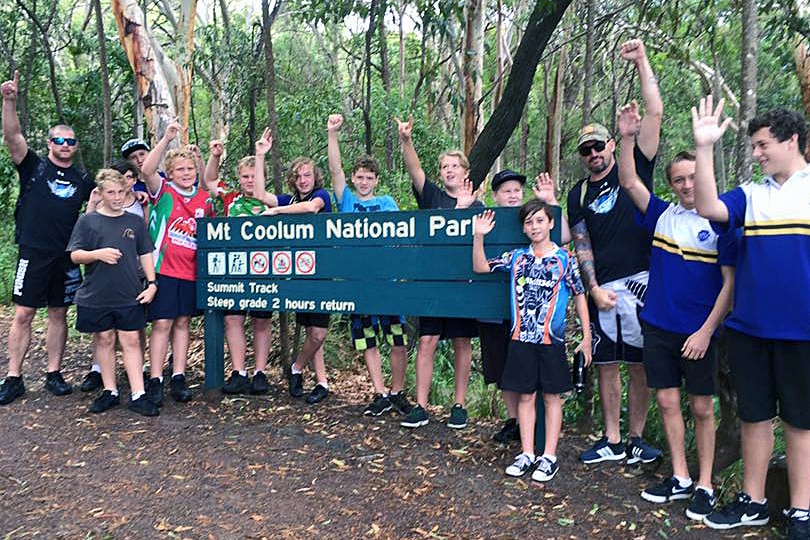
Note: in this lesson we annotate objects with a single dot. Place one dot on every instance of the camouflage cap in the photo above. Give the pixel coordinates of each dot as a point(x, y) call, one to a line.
point(593, 132)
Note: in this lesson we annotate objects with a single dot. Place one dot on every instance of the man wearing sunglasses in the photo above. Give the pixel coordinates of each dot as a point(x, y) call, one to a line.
point(52, 193)
point(614, 256)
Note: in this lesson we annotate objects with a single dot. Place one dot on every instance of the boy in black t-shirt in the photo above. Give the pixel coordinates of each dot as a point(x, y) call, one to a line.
point(457, 193)
point(114, 246)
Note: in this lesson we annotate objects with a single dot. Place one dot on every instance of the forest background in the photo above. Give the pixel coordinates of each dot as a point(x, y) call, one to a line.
point(508, 81)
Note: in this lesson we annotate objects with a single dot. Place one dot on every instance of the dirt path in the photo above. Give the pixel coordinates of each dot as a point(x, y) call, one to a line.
point(272, 467)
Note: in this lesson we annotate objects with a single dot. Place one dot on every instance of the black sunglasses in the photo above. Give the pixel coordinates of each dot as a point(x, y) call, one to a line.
point(63, 140)
point(586, 150)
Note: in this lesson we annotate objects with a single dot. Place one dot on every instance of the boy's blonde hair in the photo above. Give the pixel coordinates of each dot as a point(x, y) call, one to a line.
point(178, 153)
point(109, 176)
point(462, 158)
point(247, 161)
point(296, 164)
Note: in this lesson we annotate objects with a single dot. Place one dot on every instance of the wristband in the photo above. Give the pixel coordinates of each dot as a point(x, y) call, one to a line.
point(153, 282)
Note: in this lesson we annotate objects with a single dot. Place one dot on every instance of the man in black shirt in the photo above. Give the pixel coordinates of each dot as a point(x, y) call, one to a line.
point(52, 193)
point(614, 256)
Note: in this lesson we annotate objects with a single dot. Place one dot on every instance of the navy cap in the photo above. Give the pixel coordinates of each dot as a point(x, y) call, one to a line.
point(505, 176)
point(132, 145)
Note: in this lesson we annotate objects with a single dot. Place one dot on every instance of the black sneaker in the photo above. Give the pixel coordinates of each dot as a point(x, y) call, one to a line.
point(400, 403)
point(509, 432)
point(523, 463)
point(602, 450)
point(702, 505)
point(179, 389)
point(104, 402)
point(143, 406)
point(381, 404)
point(91, 382)
point(640, 451)
point(259, 384)
point(296, 383)
point(458, 417)
point(742, 511)
point(56, 385)
point(237, 384)
point(668, 490)
point(11, 389)
point(154, 391)
point(418, 417)
point(545, 470)
point(317, 394)
point(798, 524)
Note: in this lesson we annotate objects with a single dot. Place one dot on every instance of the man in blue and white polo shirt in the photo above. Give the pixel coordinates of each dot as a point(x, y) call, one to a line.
point(769, 328)
point(689, 293)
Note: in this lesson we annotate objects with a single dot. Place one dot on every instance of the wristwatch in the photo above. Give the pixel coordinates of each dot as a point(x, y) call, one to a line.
point(153, 282)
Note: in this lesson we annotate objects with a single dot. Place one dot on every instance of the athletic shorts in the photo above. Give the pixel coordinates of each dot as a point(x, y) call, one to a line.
point(533, 367)
point(174, 298)
point(616, 333)
point(667, 368)
point(129, 318)
point(254, 314)
point(307, 319)
point(494, 338)
point(772, 378)
point(448, 327)
point(45, 278)
point(365, 329)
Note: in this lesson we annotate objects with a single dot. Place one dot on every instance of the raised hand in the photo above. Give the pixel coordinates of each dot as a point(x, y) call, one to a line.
point(334, 122)
point(465, 196)
point(706, 125)
point(108, 255)
point(173, 130)
point(484, 222)
point(633, 50)
point(544, 189)
point(405, 128)
point(216, 148)
point(194, 149)
point(9, 88)
point(264, 144)
point(628, 120)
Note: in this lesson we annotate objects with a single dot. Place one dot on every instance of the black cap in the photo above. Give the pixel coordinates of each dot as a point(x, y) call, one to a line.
point(132, 145)
point(504, 176)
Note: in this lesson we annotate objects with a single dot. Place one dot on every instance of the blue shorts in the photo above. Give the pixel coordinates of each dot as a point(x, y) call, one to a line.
point(175, 298)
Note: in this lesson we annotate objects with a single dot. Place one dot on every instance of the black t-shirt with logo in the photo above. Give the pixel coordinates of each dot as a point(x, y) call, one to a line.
point(433, 196)
point(49, 203)
point(621, 247)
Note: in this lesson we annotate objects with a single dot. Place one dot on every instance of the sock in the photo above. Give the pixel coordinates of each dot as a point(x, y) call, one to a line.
point(708, 490)
point(95, 367)
point(181, 374)
point(683, 481)
point(161, 379)
point(257, 371)
point(531, 456)
point(243, 372)
point(136, 395)
point(324, 384)
point(551, 458)
point(294, 370)
point(114, 392)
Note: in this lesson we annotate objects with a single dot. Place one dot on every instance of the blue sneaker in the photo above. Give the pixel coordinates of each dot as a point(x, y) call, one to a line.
point(668, 490)
point(743, 511)
point(545, 471)
point(640, 451)
point(603, 451)
point(418, 417)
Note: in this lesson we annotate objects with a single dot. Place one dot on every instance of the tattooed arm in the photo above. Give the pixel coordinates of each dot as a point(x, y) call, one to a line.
point(603, 298)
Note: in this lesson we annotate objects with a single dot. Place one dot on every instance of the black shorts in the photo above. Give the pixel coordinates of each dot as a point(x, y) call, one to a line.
point(606, 350)
point(45, 278)
point(254, 314)
point(772, 377)
point(174, 298)
point(91, 320)
point(532, 367)
point(667, 368)
point(494, 338)
point(307, 319)
point(448, 327)
point(365, 328)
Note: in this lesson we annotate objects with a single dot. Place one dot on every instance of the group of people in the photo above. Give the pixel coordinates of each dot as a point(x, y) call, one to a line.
point(652, 283)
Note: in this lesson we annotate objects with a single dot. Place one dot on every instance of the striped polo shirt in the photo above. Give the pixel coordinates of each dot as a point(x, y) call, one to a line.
point(772, 285)
point(685, 262)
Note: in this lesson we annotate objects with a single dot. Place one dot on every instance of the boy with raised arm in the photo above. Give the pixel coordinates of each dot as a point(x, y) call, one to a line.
point(115, 248)
point(177, 203)
point(457, 193)
point(248, 200)
point(768, 330)
point(689, 294)
point(542, 276)
point(367, 329)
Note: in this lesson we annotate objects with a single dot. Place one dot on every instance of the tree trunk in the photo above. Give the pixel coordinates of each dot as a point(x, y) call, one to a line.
point(554, 118)
point(748, 87)
point(727, 446)
point(589, 45)
point(500, 73)
point(400, 16)
point(473, 68)
point(372, 18)
point(105, 84)
point(543, 20)
point(385, 74)
point(182, 90)
point(801, 55)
